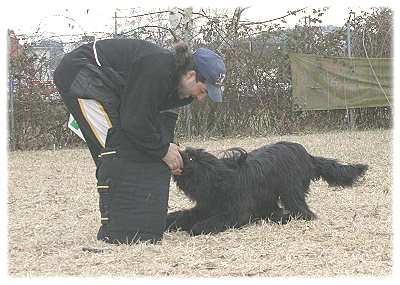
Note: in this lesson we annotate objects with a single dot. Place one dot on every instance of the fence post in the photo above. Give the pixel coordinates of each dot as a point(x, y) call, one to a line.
point(10, 102)
point(115, 24)
point(11, 119)
point(183, 25)
point(187, 28)
point(351, 114)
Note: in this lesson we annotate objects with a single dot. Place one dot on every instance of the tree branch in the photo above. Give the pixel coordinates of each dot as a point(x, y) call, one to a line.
point(247, 23)
point(141, 15)
point(176, 38)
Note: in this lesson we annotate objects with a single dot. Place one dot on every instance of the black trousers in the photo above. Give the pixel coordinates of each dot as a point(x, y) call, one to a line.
point(134, 199)
point(133, 196)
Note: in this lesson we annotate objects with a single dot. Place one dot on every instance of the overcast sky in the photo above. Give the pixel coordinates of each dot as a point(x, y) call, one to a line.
point(54, 18)
point(25, 17)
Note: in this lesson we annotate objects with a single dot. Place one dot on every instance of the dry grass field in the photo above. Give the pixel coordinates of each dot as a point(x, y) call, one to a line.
point(53, 214)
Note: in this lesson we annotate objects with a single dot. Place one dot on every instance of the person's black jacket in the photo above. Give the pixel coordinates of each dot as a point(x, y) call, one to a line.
point(145, 79)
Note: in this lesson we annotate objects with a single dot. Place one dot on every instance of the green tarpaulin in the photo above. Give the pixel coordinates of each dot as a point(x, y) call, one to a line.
point(326, 83)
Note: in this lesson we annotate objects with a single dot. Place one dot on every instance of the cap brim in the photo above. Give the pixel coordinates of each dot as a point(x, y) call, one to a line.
point(214, 92)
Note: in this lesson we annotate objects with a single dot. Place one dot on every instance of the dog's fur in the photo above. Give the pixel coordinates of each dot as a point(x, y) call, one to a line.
point(242, 187)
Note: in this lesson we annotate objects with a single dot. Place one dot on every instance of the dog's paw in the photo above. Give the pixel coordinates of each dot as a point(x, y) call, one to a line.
point(280, 216)
point(203, 228)
point(196, 230)
point(170, 224)
point(200, 228)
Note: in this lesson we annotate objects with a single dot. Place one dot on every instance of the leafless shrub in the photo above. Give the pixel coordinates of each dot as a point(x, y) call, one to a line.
point(258, 88)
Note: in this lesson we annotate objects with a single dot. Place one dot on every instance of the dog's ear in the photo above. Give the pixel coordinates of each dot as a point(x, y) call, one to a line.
point(236, 154)
point(192, 152)
point(188, 154)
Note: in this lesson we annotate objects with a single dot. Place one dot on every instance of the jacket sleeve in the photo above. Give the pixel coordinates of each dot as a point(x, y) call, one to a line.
point(147, 88)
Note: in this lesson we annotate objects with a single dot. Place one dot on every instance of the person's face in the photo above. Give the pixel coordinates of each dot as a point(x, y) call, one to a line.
point(188, 87)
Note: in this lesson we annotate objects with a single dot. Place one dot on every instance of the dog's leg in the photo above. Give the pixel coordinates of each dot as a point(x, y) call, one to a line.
point(280, 216)
point(272, 210)
point(296, 204)
point(220, 223)
point(184, 219)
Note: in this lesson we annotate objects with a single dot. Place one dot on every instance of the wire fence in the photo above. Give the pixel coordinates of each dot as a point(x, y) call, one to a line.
point(258, 97)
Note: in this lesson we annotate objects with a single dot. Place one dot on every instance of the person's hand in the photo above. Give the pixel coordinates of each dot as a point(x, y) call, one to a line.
point(173, 159)
point(177, 172)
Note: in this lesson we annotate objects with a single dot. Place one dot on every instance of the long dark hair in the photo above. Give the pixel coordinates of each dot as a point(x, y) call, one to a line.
point(184, 60)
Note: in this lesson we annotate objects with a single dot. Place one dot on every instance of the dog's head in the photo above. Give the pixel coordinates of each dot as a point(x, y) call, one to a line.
point(194, 159)
point(199, 173)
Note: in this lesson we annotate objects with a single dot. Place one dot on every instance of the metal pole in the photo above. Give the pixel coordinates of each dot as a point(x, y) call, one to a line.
point(187, 29)
point(11, 114)
point(115, 25)
point(11, 89)
point(351, 114)
point(348, 39)
point(183, 26)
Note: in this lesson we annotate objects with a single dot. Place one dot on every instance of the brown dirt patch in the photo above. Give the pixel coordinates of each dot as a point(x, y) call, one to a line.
point(53, 213)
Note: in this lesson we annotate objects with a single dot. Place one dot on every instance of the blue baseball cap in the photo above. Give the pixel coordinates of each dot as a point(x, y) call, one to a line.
point(211, 66)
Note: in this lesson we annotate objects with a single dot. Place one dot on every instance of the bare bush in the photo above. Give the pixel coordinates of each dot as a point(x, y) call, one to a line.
point(258, 88)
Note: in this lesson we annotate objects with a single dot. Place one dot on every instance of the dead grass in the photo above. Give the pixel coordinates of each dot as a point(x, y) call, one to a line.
point(53, 214)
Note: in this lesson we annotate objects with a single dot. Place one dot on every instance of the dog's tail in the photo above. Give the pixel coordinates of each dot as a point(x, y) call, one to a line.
point(337, 174)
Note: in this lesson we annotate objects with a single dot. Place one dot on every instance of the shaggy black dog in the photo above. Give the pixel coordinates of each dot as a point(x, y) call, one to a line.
point(242, 187)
